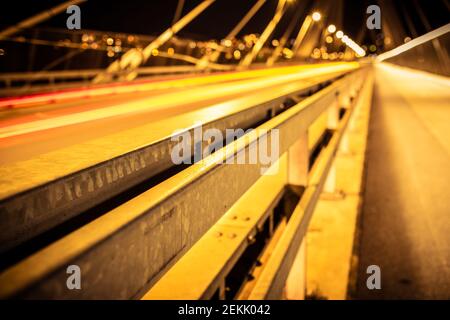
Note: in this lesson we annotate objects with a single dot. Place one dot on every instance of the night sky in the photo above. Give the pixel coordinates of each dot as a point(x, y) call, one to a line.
point(153, 16)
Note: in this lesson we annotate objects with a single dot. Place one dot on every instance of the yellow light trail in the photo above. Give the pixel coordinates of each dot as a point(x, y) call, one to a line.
point(415, 42)
point(170, 100)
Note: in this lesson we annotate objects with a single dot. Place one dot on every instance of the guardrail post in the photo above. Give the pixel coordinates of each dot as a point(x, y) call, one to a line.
point(333, 121)
point(344, 147)
point(298, 164)
point(352, 121)
point(298, 167)
point(345, 98)
point(333, 114)
point(330, 183)
point(353, 92)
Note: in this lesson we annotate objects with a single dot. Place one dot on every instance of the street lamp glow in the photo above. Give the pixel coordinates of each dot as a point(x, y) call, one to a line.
point(339, 34)
point(331, 28)
point(316, 16)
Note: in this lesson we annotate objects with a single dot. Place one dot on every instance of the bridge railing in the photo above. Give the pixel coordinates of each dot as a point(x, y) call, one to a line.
point(165, 213)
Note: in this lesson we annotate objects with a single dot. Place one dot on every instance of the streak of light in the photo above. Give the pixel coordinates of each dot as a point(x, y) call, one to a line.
point(171, 100)
point(119, 88)
point(414, 75)
point(415, 42)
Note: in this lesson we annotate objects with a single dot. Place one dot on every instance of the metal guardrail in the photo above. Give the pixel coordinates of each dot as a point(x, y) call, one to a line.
point(215, 255)
point(149, 233)
point(271, 282)
point(235, 233)
point(31, 204)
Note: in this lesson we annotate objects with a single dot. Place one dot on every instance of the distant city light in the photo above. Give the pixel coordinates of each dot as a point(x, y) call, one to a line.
point(316, 53)
point(331, 28)
point(339, 34)
point(227, 43)
point(288, 53)
point(360, 52)
point(387, 41)
point(316, 16)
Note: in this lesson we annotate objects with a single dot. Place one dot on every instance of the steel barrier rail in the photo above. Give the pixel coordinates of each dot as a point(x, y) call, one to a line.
point(34, 200)
point(271, 282)
point(124, 252)
point(212, 258)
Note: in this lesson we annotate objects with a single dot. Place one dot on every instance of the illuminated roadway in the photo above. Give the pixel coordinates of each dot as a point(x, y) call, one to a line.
point(45, 126)
point(406, 209)
point(405, 215)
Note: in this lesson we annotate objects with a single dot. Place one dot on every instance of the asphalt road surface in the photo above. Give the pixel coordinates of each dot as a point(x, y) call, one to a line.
point(405, 217)
point(29, 132)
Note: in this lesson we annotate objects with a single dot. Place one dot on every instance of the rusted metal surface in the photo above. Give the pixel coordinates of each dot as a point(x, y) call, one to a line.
point(210, 260)
point(271, 283)
point(124, 252)
point(34, 200)
point(208, 272)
